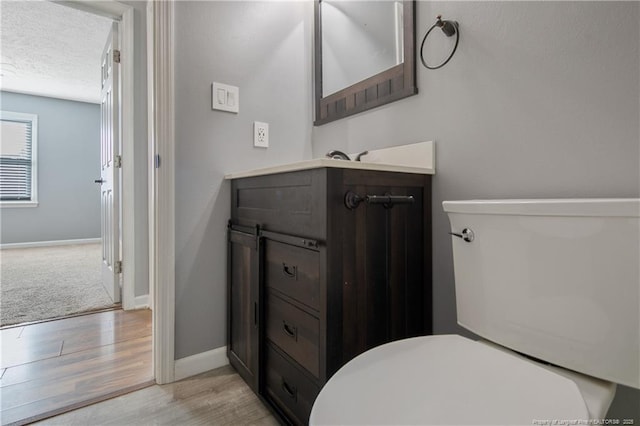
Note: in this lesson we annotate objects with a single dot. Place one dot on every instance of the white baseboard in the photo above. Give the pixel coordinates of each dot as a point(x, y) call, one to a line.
point(141, 302)
point(50, 243)
point(199, 363)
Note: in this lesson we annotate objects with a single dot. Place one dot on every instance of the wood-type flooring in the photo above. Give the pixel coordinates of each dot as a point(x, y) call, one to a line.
point(217, 397)
point(50, 367)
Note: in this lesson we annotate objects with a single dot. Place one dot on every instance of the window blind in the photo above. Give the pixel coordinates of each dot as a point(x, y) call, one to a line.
point(16, 159)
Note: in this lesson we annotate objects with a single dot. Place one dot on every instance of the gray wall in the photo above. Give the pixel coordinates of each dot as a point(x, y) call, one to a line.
point(540, 100)
point(68, 162)
point(264, 48)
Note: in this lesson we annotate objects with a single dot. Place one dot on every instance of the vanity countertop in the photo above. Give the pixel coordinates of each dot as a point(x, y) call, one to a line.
point(416, 158)
point(328, 162)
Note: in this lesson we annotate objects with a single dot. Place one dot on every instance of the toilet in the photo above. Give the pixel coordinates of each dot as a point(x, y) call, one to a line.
point(551, 287)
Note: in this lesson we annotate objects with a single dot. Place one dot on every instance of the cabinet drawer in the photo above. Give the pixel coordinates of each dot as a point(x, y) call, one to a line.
point(293, 202)
point(294, 271)
point(288, 387)
point(294, 331)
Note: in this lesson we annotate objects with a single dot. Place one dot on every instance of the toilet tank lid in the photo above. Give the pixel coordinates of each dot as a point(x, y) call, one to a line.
point(616, 207)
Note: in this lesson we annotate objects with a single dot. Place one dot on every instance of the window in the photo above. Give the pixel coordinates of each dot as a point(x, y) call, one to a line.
point(18, 143)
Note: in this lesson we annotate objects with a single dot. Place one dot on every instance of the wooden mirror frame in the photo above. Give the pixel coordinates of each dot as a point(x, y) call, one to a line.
point(387, 86)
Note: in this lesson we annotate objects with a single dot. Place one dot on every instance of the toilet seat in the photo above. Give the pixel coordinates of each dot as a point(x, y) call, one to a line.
point(446, 379)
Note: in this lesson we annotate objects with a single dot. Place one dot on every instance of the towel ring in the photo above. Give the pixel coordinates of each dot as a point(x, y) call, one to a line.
point(449, 28)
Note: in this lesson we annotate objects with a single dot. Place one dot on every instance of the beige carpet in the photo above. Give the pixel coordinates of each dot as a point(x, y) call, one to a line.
point(50, 282)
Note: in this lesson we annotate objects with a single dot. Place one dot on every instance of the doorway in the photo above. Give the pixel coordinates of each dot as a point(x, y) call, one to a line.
point(132, 239)
point(50, 155)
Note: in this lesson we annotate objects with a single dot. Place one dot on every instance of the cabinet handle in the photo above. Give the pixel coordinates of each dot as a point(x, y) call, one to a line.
point(289, 390)
point(290, 330)
point(290, 271)
point(310, 243)
point(255, 313)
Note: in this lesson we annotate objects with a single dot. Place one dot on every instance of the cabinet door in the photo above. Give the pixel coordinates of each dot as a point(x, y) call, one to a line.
point(383, 270)
point(243, 307)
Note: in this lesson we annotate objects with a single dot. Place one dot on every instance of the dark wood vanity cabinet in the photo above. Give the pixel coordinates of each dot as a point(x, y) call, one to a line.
point(313, 283)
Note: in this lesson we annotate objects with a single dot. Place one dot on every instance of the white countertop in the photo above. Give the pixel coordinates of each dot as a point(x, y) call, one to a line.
point(328, 162)
point(416, 158)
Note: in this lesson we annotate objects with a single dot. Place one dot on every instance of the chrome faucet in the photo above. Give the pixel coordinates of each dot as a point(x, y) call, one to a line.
point(339, 155)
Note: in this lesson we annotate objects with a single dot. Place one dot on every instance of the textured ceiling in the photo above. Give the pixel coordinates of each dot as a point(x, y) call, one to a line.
point(51, 50)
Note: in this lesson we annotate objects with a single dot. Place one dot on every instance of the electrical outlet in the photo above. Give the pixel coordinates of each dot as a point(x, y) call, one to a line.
point(260, 134)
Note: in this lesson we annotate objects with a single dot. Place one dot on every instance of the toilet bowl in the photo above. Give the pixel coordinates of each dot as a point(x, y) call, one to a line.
point(522, 280)
point(450, 379)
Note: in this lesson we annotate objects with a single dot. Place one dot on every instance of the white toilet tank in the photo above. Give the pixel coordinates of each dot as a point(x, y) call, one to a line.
point(558, 280)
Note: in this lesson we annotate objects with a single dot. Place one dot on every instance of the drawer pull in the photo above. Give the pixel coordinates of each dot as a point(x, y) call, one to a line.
point(255, 314)
point(290, 271)
point(310, 243)
point(290, 330)
point(291, 391)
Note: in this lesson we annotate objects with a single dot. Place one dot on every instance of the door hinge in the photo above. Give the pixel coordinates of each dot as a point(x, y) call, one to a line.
point(117, 161)
point(157, 161)
point(117, 267)
point(116, 56)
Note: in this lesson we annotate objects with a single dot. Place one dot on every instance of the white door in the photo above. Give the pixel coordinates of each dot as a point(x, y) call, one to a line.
point(110, 168)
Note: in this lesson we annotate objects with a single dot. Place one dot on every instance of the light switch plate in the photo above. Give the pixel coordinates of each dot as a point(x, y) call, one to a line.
point(225, 97)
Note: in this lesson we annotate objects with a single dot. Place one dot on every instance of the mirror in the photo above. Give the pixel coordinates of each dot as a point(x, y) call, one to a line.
point(374, 32)
point(364, 55)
